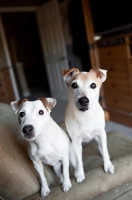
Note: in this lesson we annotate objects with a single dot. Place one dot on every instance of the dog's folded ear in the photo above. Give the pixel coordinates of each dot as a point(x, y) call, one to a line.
point(16, 104)
point(100, 73)
point(49, 103)
point(68, 74)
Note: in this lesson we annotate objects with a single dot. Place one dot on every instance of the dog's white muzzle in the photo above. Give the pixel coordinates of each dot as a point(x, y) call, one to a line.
point(28, 132)
point(83, 103)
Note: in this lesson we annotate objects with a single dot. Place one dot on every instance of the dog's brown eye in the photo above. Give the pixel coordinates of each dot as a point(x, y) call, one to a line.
point(93, 85)
point(22, 114)
point(41, 112)
point(74, 85)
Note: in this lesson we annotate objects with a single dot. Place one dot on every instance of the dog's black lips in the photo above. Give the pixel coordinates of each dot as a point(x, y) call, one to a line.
point(29, 136)
point(83, 109)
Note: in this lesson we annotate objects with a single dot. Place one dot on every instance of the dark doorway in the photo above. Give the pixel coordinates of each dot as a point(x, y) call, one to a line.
point(24, 45)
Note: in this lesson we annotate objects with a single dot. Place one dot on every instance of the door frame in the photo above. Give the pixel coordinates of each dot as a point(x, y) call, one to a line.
point(90, 34)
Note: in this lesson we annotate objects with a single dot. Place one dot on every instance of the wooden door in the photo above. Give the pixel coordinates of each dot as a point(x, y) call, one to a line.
point(53, 46)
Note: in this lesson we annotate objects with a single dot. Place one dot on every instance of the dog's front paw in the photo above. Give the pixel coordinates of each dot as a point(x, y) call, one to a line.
point(79, 177)
point(109, 168)
point(45, 192)
point(66, 186)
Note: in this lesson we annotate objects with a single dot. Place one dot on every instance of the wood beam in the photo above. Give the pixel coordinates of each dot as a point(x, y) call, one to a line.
point(18, 9)
point(90, 33)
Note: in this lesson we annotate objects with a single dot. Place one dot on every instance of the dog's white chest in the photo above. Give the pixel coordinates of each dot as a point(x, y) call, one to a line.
point(88, 130)
point(50, 159)
point(87, 134)
point(46, 153)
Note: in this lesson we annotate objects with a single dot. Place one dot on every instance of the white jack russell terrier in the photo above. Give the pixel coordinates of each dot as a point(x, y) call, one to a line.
point(84, 117)
point(48, 142)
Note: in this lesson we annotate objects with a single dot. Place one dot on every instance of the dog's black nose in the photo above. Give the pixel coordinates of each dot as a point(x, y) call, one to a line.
point(83, 101)
point(28, 130)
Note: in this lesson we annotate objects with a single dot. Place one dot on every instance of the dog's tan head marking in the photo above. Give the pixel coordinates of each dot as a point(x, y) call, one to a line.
point(49, 103)
point(68, 74)
point(100, 74)
point(17, 104)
